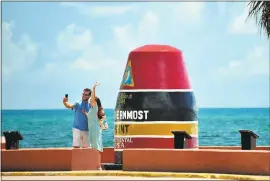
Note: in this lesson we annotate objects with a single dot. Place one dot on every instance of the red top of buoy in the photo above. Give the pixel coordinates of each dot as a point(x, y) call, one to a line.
point(156, 48)
point(155, 67)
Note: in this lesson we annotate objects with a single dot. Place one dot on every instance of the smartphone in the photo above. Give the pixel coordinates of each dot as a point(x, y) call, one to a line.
point(66, 95)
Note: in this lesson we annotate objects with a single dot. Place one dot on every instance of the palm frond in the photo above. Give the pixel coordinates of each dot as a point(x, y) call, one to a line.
point(261, 11)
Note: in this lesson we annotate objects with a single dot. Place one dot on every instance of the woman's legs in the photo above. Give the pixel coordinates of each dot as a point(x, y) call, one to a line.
point(100, 168)
point(99, 152)
point(96, 139)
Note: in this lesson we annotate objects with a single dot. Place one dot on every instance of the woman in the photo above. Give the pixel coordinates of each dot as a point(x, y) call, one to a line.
point(95, 118)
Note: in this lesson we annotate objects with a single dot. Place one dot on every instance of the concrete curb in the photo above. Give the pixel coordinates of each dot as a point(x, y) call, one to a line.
point(140, 174)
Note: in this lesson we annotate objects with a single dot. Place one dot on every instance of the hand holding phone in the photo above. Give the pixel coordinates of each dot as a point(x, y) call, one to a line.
point(65, 99)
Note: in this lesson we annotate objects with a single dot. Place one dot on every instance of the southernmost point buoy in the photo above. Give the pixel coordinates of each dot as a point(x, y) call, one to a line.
point(155, 98)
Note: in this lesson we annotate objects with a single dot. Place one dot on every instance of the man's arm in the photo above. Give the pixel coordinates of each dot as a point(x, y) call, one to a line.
point(67, 104)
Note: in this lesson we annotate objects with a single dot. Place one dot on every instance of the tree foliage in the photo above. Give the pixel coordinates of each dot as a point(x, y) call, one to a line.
point(261, 11)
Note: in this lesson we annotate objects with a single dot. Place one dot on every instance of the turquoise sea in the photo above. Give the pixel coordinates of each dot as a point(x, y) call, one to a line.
point(218, 127)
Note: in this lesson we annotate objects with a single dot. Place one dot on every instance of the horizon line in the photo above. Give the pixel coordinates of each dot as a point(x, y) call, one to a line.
point(31, 109)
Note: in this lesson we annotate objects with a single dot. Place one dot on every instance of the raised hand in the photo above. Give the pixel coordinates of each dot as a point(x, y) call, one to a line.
point(96, 84)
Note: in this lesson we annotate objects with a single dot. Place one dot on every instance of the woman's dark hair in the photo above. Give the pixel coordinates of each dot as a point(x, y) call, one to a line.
point(100, 112)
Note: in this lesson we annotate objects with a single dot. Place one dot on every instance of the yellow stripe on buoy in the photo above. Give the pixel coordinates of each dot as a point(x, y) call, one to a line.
point(154, 129)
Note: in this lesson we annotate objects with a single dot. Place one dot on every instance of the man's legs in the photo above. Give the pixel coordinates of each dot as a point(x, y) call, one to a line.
point(85, 141)
point(76, 138)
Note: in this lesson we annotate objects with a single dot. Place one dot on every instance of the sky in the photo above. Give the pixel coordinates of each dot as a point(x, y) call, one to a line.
point(50, 49)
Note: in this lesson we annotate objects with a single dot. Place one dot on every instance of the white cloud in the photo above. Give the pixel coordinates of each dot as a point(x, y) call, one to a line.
point(149, 22)
point(241, 25)
point(84, 64)
point(189, 11)
point(147, 30)
point(94, 11)
point(174, 15)
point(74, 38)
point(130, 36)
point(124, 34)
point(256, 63)
point(77, 49)
point(17, 55)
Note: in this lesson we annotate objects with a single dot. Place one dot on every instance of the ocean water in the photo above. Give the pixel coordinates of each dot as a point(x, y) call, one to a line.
point(217, 127)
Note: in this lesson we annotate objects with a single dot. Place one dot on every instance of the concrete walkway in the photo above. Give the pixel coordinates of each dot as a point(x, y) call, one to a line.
point(93, 178)
point(124, 175)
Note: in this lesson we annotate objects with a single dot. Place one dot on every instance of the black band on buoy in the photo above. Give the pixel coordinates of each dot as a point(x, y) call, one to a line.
point(156, 106)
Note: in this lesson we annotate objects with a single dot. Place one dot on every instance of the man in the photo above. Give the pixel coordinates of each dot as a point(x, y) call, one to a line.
point(80, 124)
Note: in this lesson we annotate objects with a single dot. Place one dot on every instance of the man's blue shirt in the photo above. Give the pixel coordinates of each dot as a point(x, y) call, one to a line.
point(80, 121)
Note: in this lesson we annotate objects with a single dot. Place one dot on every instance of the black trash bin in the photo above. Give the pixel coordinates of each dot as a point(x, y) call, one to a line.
point(12, 139)
point(179, 139)
point(248, 139)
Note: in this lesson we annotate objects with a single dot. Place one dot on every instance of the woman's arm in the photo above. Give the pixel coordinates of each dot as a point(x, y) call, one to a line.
point(85, 113)
point(93, 95)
